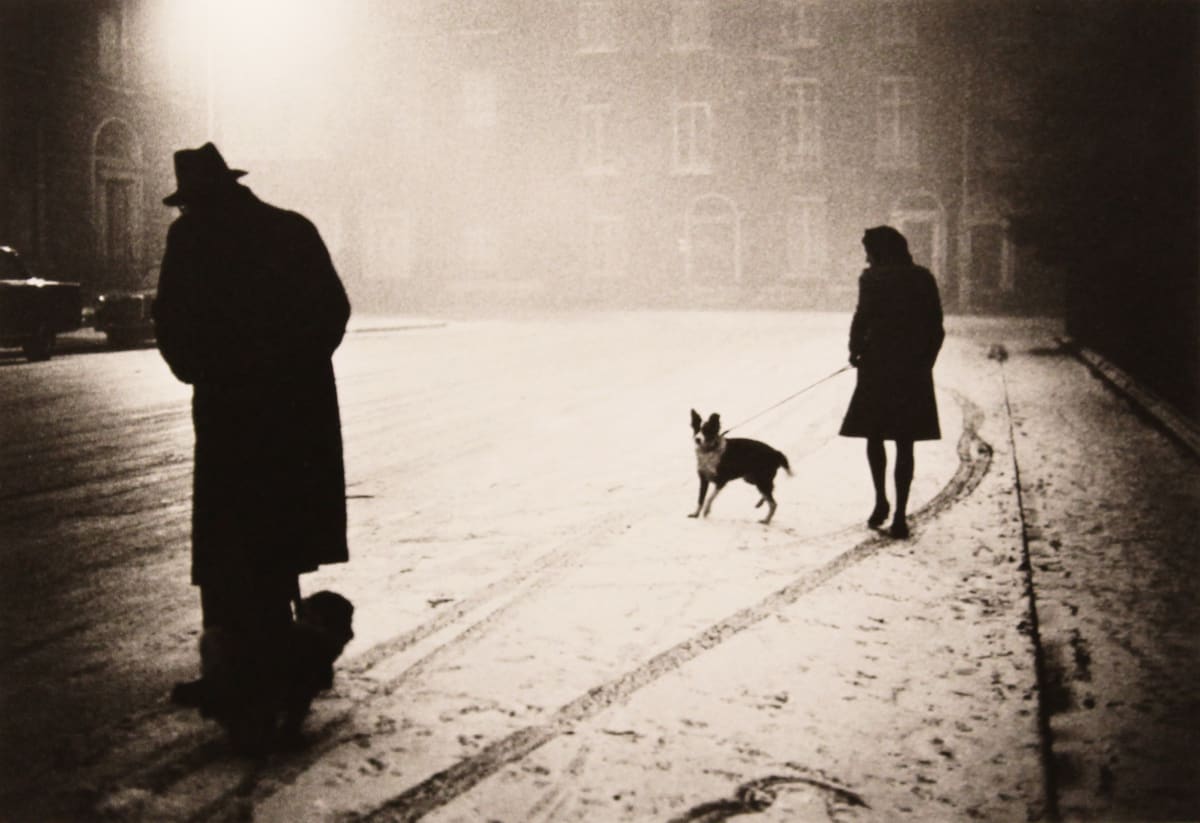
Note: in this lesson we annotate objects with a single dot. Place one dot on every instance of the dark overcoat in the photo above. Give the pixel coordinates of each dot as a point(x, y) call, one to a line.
point(249, 311)
point(895, 338)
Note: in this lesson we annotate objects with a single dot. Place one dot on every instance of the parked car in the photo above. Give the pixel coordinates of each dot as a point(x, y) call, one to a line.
point(33, 310)
point(126, 316)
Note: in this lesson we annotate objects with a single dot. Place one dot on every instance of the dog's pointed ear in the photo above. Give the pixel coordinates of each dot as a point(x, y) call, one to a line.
point(695, 421)
point(714, 420)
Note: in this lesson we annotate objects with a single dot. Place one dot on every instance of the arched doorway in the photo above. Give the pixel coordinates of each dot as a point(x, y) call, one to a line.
point(713, 241)
point(117, 179)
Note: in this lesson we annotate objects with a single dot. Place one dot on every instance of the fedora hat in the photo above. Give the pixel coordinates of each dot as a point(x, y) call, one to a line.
point(198, 172)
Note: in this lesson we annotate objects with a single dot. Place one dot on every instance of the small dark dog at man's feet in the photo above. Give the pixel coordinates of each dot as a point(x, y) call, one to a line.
point(262, 695)
point(720, 459)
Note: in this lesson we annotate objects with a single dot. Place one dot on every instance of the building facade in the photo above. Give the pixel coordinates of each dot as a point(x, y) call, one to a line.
point(89, 120)
point(545, 152)
point(705, 152)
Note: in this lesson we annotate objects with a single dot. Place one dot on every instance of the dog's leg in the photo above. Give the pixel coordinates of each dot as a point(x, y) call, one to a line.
point(703, 493)
point(717, 486)
point(295, 710)
point(770, 511)
point(766, 488)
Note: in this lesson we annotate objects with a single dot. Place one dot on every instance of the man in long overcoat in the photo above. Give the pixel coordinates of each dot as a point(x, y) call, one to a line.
point(249, 312)
point(895, 338)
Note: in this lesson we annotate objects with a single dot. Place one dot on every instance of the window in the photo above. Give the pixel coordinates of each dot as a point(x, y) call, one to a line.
point(479, 99)
point(1004, 123)
point(691, 25)
point(896, 145)
point(921, 218)
point(693, 138)
point(806, 246)
point(802, 123)
point(895, 23)
point(607, 246)
point(597, 26)
point(110, 41)
point(1004, 146)
point(595, 149)
point(800, 23)
point(713, 242)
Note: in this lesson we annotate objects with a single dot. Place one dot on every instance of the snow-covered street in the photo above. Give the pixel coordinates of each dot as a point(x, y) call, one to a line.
point(543, 635)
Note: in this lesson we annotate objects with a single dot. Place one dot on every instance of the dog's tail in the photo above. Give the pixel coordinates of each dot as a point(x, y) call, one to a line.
point(783, 461)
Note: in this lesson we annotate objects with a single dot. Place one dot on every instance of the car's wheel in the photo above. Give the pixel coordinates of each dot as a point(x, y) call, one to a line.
point(40, 346)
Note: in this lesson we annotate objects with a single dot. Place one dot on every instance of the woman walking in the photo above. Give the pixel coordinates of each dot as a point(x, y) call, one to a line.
point(895, 338)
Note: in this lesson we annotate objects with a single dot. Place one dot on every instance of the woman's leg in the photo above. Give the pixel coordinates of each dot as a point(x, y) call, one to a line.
point(877, 460)
point(904, 476)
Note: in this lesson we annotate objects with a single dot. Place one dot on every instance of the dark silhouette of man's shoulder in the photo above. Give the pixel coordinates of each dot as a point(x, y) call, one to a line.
point(286, 219)
point(181, 226)
point(244, 209)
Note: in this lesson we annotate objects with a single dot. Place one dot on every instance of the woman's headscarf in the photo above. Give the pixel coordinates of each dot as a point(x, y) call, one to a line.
point(886, 246)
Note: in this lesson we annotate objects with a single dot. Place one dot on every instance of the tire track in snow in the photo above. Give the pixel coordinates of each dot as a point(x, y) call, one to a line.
point(166, 766)
point(414, 803)
point(159, 768)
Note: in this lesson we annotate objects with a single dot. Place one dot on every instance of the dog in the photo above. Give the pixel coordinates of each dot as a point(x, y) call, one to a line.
point(720, 459)
point(260, 690)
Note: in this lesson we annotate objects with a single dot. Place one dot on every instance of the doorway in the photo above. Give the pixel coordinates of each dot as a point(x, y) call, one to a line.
point(713, 241)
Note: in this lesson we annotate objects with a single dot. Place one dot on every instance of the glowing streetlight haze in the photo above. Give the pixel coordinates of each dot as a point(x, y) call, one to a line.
point(293, 51)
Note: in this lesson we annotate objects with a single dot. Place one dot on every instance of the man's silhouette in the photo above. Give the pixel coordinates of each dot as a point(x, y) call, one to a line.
point(249, 312)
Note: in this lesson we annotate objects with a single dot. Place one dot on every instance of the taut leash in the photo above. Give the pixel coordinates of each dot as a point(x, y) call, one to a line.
point(789, 397)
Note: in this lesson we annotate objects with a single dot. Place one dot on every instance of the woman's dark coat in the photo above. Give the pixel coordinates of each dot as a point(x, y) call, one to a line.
point(250, 311)
point(895, 338)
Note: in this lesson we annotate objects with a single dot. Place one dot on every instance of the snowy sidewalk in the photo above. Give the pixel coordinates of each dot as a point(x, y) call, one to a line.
point(1111, 511)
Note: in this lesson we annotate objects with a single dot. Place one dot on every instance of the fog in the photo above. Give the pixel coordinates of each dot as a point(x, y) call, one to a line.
point(658, 153)
point(545, 153)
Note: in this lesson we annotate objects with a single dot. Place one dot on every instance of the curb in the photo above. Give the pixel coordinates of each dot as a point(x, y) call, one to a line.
point(1174, 423)
point(398, 324)
point(408, 327)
